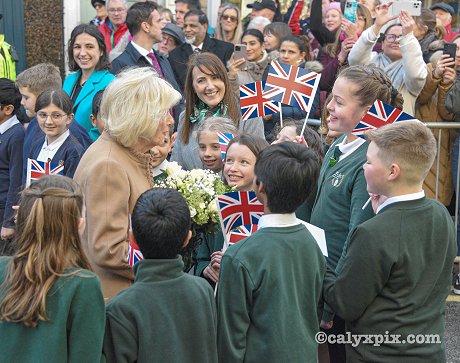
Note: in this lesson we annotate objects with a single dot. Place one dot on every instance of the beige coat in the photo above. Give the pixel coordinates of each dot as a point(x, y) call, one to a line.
point(112, 177)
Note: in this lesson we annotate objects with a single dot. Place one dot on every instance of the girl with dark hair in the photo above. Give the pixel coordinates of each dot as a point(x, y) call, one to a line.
point(88, 59)
point(50, 302)
point(54, 115)
point(207, 93)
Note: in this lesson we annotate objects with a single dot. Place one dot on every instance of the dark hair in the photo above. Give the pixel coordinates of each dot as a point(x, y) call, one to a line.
point(161, 222)
point(210, 64)
point(289, 172)
point(55, 97)
point(192, 4)
point(279, 30)
point(138, 13)
point(254, 143)
point(9, 95)
point(96, 104)
point(202, 18)
point(95, 33)
point(302, 43)
point(255, 33)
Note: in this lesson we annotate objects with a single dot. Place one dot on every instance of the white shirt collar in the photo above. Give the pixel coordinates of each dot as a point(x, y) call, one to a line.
point(157, 170)
point(400, 198)
point(200, 47)
point(278, 220)
point(8, 124)
point(347, 149)
point(144, 52)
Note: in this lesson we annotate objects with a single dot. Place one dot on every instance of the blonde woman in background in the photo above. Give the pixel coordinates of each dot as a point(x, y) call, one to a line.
point(229, 27)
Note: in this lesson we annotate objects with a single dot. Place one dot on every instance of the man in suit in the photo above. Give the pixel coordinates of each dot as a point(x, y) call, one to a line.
point(196, 40)
point(143, 21)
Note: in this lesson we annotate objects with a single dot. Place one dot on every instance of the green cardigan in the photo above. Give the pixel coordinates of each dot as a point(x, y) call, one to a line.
point(165, 316)
point(395, 278)
point(75, 328)
point(268, 297)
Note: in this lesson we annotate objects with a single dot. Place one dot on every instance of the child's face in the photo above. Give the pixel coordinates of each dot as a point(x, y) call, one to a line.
point(160, 152)
point(239, 167)
point(28, 101)
point(97, 123)
point(375, 171)
point(344, 107)
point(5, 112)
point(210, 153)
point(287, 133)
point(53, 121)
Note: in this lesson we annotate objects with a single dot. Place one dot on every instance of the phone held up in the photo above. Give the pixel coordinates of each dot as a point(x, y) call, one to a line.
point(412, 7)
point(450, 49)
point(240, 52)
point(350, 11)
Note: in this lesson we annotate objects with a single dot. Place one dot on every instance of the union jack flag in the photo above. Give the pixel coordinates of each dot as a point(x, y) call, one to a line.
point(134, 253)
point(380, 114)
point(224, 139)
point(254, 103)
point(241, 232)
point(291, 85)
point(36, 169)
point(237, 209)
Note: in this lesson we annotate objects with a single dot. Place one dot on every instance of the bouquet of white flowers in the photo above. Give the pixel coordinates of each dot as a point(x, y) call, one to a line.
point(199, 188)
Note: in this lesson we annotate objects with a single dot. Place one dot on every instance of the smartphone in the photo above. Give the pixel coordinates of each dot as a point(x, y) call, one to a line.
point(413, 8)
point(450, 49)
point(350, 11)
point(240, 52)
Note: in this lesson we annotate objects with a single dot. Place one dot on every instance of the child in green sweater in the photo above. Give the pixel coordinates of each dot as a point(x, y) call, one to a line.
point(395, 274)
point(166, 315)
point(270, 283)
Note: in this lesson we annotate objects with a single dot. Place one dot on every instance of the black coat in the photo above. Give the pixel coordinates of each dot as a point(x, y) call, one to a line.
point(131, 57)
point(180, 56)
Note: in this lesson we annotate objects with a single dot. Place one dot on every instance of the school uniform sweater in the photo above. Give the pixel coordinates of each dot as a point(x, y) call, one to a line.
point(11, 143)
point(155, 321)
point(396, 277)
point(212, 242)
point(268, 295)
point(342, 192)
point(75, 328)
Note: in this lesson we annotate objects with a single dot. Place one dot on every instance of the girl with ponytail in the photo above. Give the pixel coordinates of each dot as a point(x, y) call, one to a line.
point(51, 306)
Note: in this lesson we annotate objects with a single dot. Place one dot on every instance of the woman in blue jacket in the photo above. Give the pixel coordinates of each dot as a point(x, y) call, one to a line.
point(88, 59)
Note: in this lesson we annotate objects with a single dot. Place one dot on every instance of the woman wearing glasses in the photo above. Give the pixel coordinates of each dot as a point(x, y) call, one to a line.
point(401, 56)
point(229, 25)
point(58, 146)
point(88, 59)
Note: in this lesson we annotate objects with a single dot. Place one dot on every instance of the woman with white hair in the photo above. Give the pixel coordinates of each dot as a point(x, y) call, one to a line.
point(116, 169)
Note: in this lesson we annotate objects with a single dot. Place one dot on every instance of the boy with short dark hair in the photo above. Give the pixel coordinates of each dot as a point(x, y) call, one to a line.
point(95, 118)
point(11, 142)
point(395, 274)
point(270, 283)
point(166, 315)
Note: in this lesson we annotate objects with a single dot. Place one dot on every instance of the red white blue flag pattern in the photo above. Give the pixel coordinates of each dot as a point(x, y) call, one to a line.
point(134, 253)
point(36, 169)
point(239, 233)
point(238, 209)
point(291, 85)
point(224, 139)
point(380, 114)
point(254, 103)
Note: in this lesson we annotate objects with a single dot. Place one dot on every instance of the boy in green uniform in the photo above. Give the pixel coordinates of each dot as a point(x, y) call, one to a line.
point(167, 315)
point(396, 273)
point(270, 283)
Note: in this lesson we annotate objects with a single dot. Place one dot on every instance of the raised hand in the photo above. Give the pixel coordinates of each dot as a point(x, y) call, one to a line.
point(407, 22)
point(382, 16)
point(442, 65)
point(349, 28)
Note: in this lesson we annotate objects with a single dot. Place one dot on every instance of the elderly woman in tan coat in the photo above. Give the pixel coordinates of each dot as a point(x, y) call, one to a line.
point(116, 169)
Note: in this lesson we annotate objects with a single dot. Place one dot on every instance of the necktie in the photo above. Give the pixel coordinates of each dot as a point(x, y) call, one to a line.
point(197, 50)
point(156, 65)
point(335, 156)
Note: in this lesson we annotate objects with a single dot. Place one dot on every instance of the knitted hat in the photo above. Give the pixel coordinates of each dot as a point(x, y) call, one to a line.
point(333, 6)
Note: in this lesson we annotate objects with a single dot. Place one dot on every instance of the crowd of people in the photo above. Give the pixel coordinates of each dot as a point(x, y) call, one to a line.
point(148, 87)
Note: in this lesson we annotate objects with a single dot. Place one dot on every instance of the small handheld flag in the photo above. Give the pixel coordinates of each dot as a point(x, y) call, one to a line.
point(134, 253)
point(380, 114)
point(239, 233)
point(36, 169)
point(254, 103)
point(224, 139)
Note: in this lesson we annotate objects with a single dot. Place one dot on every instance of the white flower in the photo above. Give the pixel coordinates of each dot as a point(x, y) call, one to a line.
point(212, 206)
point(174, 170)
point(192, 212)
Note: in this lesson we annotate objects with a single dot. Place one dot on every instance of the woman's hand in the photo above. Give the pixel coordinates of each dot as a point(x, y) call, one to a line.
point(442, 65)
point(350, 29)
point(346, 46)
point(407, 22)
point(382, 16)
point(235, 65)
point(6, 233)
point(449, 76)
point(212, 270)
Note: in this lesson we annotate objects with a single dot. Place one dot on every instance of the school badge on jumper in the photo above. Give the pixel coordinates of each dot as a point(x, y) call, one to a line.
point(337, 179)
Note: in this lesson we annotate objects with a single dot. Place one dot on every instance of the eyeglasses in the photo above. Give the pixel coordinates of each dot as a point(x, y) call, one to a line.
point(233, 19)
point(168, 40)
point(391, 38)
point(56, 117)
point(114, 11)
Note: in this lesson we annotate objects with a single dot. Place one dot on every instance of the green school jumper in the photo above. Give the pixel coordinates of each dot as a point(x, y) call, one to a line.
point(74, 331)
point(268, 295)
point(342, 192)
point(395, 278)
point(165, 316)
point(212, 242)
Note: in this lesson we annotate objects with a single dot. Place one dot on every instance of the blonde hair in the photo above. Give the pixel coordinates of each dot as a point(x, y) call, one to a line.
point(216, 124)
point(410, 144)
point(40, 78)
point(134, 104)
point(48, 245)
point(236, 37)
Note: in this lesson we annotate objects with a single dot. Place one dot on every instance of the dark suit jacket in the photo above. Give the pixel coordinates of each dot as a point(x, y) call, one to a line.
point(180, 56)
point(131, 57)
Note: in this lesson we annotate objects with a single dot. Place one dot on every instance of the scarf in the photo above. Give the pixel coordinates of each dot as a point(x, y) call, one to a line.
point(394, 70)
point(202, 111)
